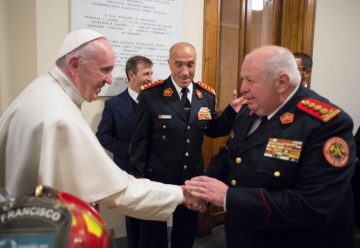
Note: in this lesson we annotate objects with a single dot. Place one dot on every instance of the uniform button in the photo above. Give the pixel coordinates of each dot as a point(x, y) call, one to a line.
point(164, 126)
point(185, 167)
point(231, 134)
point(186, 154)
point(238, 160)
point(233, 182)
point(188, 141)
point(277, 173)
point(188, 127)
point(163, 137)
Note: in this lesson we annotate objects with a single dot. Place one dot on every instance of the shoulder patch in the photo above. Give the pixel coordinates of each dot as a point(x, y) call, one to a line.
point(206, 88)
point(317, 109)
point(152, 84)
point(336, 152)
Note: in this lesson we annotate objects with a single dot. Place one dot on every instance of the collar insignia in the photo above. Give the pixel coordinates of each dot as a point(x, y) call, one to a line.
point(199, 94)
point(168, 92)
point(287, 118)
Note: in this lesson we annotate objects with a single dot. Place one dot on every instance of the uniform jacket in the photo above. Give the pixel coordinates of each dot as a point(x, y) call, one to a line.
point(281, 200)
point(115, 128)
point(166, 146)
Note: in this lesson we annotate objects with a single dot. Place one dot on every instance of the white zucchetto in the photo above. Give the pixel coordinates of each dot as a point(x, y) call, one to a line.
point(76, 39)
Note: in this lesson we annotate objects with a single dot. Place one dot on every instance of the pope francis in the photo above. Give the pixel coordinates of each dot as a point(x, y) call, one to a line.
point(44, 138)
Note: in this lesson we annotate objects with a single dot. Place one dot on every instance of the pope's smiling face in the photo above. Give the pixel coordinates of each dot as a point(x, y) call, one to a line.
point(95, 69)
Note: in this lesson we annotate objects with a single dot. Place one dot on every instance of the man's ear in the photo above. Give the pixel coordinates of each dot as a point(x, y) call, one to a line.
point(131, 74)
point(284, 83)
point(73, 65)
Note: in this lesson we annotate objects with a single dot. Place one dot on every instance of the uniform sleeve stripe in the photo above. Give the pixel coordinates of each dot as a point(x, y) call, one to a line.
point(267, 206)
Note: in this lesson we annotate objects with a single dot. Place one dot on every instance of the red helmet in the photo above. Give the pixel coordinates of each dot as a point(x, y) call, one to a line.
point(51, 219)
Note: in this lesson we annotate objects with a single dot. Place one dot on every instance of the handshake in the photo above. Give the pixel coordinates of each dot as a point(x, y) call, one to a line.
point(202, 189)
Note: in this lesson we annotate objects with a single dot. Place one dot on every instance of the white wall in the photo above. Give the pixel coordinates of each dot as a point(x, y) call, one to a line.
point(336, 70)
point(17, 47)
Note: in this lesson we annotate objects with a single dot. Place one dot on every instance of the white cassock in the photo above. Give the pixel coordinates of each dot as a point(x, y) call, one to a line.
point(44, 139)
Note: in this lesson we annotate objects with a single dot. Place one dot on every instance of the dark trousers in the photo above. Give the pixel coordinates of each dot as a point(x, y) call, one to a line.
point(133, 231)
point(153, 234)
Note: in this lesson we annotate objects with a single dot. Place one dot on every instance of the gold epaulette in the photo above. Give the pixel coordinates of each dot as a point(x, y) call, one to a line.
point(152, 84)
point(319, 110)
point(206, 87)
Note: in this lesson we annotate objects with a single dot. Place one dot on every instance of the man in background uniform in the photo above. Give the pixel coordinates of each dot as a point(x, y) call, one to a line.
point(304, 63)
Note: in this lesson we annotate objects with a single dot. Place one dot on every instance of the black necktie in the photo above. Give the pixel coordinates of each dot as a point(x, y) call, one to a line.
point(184, 99)
point(264, 119)
point(134, 104)
point(260, 121)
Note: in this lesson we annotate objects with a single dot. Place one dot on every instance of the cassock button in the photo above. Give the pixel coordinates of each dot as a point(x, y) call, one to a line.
point(188, 141)
point(186, 154)
point(238, 160)
point(164, 126)
point(233, 182)
point(185, 167)
point(277, 173)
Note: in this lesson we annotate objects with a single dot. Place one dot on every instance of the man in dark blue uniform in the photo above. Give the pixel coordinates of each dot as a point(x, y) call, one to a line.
point(173, 117)
point(115, 128)
point(288, 164)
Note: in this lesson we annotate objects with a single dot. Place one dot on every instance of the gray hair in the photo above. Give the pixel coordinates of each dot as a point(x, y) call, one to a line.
point(277, 60)
point(282, 60)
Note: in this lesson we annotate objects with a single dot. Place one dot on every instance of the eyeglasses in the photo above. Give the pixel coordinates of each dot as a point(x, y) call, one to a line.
point(301, 69)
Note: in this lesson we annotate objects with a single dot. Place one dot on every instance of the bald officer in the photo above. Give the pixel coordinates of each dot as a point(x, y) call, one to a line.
point(172, 118)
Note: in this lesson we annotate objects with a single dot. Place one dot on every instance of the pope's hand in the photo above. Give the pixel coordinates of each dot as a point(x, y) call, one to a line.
point(192, 202)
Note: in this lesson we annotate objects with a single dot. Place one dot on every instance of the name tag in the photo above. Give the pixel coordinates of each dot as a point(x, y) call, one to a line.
point(164, 117)
point(283, 149)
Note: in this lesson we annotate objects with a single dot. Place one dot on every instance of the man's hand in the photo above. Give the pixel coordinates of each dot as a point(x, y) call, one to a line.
point(208, 189)
point(192, 202)
point(237, 103)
